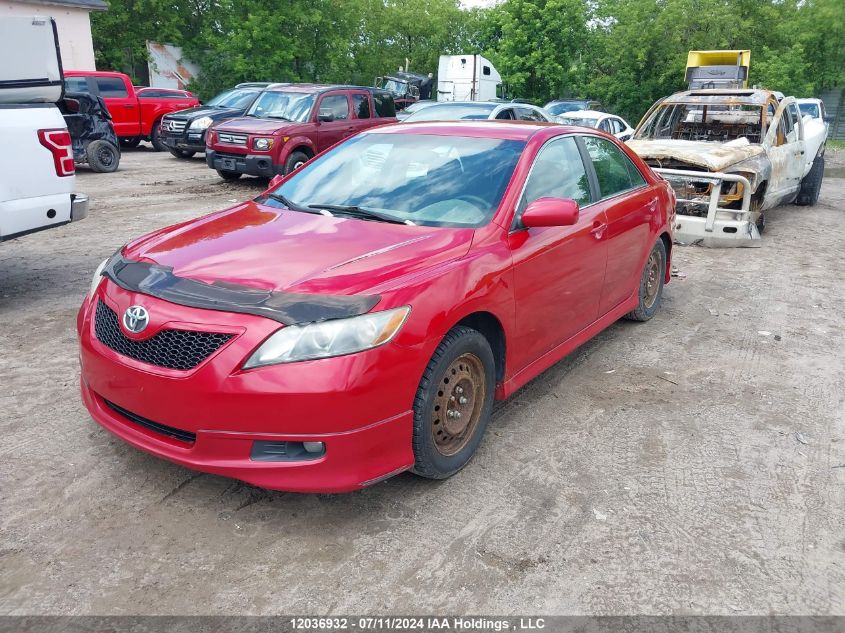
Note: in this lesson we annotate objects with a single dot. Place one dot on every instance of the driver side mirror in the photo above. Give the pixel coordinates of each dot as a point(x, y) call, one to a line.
point(550, 212)
point(325, 117)
point(275, 181)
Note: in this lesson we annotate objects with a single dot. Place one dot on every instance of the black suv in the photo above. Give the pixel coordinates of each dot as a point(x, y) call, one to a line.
point(183, 132)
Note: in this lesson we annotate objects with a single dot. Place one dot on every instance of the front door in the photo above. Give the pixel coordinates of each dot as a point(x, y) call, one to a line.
point(786, 152)
point(333, 119)
point(558, 271)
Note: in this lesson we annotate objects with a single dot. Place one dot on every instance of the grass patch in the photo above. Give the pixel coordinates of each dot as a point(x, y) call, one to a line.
point(836, 144)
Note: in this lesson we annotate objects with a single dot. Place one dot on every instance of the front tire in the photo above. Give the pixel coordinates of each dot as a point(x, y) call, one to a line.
point(453, 403)
point(229, 175)
point(103, 157)
point(651, 284)
point(811, 184)
point(295, 161)
point(180, 153)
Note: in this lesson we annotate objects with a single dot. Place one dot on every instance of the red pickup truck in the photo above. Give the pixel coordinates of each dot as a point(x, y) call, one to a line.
point(288, 124)
point(136, 114)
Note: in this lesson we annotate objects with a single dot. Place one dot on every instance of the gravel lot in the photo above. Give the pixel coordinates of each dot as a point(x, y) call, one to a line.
point(692, 464)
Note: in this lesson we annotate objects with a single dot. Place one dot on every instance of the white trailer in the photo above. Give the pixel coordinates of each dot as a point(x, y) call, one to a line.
point(37, 173)
point(467, 78)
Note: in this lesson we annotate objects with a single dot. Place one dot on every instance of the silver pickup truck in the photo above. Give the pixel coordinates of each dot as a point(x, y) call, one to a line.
point(730, 154)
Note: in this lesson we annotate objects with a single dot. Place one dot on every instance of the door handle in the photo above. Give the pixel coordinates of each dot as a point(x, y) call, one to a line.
point(598, 229)
point(128, 105)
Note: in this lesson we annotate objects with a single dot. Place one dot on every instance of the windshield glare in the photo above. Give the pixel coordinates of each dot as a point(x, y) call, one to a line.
point(237, 98)
point(809, 108)
point(396, 87)
point(578, 121)
point(716, 122)
point(290, 106)
point(452, 112)
point(453, 181)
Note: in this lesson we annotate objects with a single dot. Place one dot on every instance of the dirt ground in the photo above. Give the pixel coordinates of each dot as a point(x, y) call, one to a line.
point(692, 464)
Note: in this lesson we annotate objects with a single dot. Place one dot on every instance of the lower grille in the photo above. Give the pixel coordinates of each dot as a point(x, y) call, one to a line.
point(161, 429)
point(173, 349)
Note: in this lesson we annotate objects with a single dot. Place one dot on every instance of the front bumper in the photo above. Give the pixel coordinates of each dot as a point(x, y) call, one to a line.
point(359, 405)
point(250, 164)
point(722, 227)
point(190, 141)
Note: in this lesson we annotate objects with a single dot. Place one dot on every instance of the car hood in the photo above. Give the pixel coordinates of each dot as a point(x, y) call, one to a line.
point(282, 250)
point(200, 111)
point(256, 125)
point(709, 155)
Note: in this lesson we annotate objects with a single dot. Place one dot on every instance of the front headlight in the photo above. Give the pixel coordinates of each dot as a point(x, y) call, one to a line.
point(98, 277)
point(329, 338)
point(201, 123)
point(262, 144)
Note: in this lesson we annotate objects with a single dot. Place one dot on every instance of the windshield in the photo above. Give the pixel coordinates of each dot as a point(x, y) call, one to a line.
point(418, 105)
point(453, 181)
point(570, 120)
point(290, 106)
point(453, 112)
point(566, 106)
point(698, 122)
point(809, 108)
point(237, 98)
point(395, 86)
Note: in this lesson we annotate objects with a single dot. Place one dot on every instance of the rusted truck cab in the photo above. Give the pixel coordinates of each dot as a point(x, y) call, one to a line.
point(730, 154)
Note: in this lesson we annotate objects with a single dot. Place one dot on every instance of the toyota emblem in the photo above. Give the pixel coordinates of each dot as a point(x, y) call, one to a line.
point(136, 319)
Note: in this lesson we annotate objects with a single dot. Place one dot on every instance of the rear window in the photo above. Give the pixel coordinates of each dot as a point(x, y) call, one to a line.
point(384, 105)
point(111, 87)
point(76, 84)
point(361, 106)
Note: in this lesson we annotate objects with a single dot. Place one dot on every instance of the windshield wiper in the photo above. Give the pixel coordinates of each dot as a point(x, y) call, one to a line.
point(289, 204)
point(360, 212)
point(277, 116)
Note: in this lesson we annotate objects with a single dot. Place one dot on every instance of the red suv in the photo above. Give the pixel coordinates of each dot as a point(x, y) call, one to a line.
point(291, 123)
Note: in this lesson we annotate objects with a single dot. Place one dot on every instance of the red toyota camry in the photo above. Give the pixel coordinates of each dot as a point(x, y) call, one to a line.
point(358, 318)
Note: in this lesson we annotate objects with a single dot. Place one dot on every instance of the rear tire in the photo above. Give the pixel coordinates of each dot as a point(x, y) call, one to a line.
point(811, 185)
point(229, 175)
point(453, 403)
point(295, 161)
point(651, 284)
point(103, 157)
point(180, 153)
point(155, 138)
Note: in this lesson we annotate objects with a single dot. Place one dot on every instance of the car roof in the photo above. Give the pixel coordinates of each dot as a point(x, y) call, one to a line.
point(586, 114)
point(478, 128)
point(751, 96)
point(318, 88)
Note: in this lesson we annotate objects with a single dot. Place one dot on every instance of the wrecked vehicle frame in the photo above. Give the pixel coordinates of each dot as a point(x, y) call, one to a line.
point(729, 155)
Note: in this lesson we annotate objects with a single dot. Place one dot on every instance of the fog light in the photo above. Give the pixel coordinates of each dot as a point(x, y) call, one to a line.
point(286, 451)
point(313, 447)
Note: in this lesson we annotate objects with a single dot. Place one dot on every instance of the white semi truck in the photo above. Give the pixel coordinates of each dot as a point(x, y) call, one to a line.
point(37, 174)
point(467, 78)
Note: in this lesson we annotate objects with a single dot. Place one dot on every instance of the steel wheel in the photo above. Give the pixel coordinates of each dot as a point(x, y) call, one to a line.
point(652, 285)
point(459, 404)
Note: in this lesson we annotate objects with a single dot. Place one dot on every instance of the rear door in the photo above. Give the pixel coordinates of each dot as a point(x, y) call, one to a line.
point(122, 104)
point(559, 270)
point(629, 205)
point(335, 107)
point(362, 111)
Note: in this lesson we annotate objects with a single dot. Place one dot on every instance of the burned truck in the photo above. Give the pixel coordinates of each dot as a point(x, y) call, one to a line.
point(730, 154)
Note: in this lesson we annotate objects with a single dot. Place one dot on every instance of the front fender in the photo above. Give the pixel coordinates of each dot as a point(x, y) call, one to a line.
point(293, 143)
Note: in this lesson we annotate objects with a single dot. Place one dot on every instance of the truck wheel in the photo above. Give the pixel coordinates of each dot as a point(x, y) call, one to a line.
point(155, 138)
point(103, 157)
point(295, 161)
point(651, 284)
point(811, 185)
point(228, 175)
point(132, 141)
point(180, 153)
point(453, 403)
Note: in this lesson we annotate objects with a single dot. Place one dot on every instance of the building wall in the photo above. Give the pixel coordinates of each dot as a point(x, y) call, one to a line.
point(74, 29)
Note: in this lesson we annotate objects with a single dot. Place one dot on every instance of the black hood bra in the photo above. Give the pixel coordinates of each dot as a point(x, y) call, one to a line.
point(288, 308)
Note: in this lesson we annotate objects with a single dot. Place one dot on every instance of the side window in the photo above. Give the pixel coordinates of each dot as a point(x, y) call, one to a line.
point(361, 106)
point(76, 84)
point(614, 170)
point(505, 115)
point(336, 106)
point(527, 114)
point(384, 105)
point(111, 87)
point(604, 125)
point(557, 172)
point(616, 126)
point(796, 117)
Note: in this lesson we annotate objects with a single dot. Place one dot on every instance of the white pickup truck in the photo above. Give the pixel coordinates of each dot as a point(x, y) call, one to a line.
point(37, 174)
